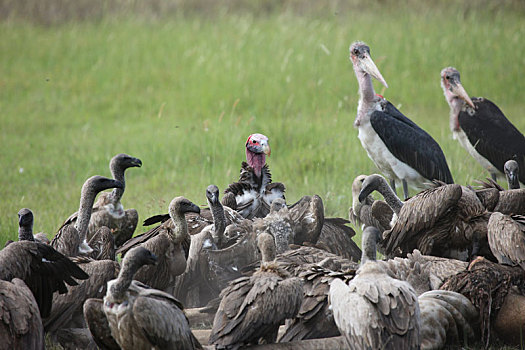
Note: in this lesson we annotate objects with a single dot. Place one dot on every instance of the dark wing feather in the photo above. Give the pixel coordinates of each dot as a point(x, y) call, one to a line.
point(493, 135)
point(337, 237)
point(411, 144)
point(308, 215)
point(155, 219)
point(98, 325)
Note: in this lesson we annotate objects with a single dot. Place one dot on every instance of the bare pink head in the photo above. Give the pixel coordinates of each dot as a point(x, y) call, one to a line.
point(257, 148)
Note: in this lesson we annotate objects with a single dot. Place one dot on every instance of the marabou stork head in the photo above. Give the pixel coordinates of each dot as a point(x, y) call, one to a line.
point(451, 84)
point(360, 57)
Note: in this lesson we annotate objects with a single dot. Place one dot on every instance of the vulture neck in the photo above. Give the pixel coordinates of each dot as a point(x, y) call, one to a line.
point(256, 161)
point(118, 287)
point(219, 222)
point(180, 230)
point(369, 248)
point(118, 174)
point(25, 232)
point(87, 198)
point(367, 99)
point(390, 197)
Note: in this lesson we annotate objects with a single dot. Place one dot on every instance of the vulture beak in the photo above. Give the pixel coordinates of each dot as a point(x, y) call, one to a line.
point(458, 90)
point(266, 148)
point(370, 67)
point(136, 162)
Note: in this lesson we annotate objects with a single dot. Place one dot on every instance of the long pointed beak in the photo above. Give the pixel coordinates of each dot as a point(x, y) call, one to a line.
point(458, 89)
point(266, 149)
point(370, 67)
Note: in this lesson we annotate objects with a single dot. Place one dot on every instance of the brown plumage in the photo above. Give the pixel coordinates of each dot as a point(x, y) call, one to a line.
point(506, 236)
point(447, 319)
point(375, 310)
point(103, 245)
point(67, 308)
point(361, 214)
point(336, 237)
point(140, 317)
point(486, 285)
point(509, 201)
point(252, 308)
point(98, 324)
point(71, 238)
point(108, 210)
point(170, 242)
point(20, 323)
point(307, 215)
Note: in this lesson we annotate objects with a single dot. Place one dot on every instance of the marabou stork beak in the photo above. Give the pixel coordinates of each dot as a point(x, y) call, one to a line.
point(458, 89)
point(370, 67)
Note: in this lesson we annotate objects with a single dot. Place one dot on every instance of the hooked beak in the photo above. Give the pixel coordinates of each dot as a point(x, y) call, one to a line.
point(370, 67)
point(266, 149)
point(136, 162)
point(459, 91)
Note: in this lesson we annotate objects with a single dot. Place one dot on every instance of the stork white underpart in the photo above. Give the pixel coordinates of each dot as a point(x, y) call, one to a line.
point(387, 163)
point(464, 141)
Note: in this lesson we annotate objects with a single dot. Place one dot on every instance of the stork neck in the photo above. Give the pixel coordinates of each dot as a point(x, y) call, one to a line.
point(87, 198)
point(25, 233)
point(118, 174)
point(367, 97)
point(456, 104)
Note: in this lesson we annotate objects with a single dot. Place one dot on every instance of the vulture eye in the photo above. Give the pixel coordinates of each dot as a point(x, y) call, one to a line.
point(254, 141)
point(356, 52)
point(447, 77)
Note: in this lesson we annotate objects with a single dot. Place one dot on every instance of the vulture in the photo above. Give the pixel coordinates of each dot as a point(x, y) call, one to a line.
point(446, 220)
point(252, 308)
point(108, 210)
point(506, 235)
point(252, 195)
point(398, 147)
point(30, 272)
point(71, 238)
point(137, 316)
point(369, 212)
point(447, 319)
point(508, 202)
point(512, 173)
point(375, 310)
point(481, 127)
point(489, 286)
point(170, 242)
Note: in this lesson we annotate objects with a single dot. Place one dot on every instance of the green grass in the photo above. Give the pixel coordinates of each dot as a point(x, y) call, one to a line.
point(183, 94)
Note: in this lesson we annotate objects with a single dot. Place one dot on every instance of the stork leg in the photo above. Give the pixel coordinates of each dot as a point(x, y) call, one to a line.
point(393, 185)
point(405, 189)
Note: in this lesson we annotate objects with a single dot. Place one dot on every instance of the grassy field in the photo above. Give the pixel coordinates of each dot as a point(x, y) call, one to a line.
point(183, 93)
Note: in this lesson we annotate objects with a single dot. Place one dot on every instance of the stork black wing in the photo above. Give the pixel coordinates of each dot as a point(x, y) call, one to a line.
point(493, 135)
point(411, 144)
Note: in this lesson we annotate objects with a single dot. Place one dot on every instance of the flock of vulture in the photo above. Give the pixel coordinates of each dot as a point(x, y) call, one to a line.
point(251, 271)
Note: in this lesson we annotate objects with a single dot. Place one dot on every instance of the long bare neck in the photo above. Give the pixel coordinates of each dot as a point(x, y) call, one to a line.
point(366, 96)
point(180, 226)
point(369, 250)
point(390, 197)
point(87, 198)
point(455, 104)
point(219, 222)
point(118, 174)
point(119, 287)
point(25, 233)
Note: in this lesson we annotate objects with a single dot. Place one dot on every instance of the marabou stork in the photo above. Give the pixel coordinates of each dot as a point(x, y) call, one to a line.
point(482, 128)
point(398, 147)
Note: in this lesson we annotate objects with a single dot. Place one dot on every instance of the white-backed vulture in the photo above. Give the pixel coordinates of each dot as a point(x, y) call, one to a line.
point(140, 317)
point(510, 201)
point(446, 220)
point(71, 238)
point(108, 210)
point(170, 242)
point(362, 215)
point(252, 195)
point(375, 311)
point(307, 215)
point(447, 319)
point(252, 308)
point(511, 169)
point(506, 235)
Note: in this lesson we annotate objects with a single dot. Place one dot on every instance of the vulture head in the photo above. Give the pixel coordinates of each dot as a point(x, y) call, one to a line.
point(257, 147)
